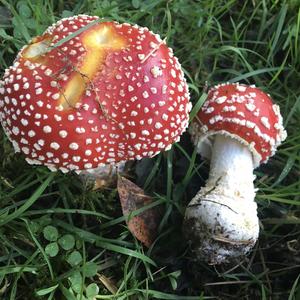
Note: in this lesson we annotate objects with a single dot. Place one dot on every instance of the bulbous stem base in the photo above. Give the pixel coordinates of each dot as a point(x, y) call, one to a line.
point(221, 220)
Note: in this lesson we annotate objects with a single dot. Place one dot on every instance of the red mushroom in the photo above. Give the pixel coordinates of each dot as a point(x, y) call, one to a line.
point(238, 128)
point(88, 93)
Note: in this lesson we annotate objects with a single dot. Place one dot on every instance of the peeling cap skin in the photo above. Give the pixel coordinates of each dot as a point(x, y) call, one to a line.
point(89, 93)
point(238, 127)
point(244, 113)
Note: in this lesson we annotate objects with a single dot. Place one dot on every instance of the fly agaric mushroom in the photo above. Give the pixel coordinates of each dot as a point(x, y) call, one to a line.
point(88, 93)
point(238, 127)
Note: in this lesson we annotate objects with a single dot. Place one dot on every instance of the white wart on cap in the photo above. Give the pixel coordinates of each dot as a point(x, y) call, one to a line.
point(110, 93)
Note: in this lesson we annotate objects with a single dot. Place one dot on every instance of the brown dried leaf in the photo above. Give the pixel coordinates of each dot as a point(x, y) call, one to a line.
point(143, 226)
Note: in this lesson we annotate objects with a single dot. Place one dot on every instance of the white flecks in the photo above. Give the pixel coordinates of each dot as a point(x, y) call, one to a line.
point(71, 117)
point(24, 122)
point(229, 108)
point(6, 100)
point(14, 101)
point(209, 110)
point(250, 106)
point(24, 141)
point(137, 146)
point(59, 107)
point(165, 117)
point(65, 155)
point(88, 152)
point(41, 142)
point(15, 130)
point(88, 166)
point(241, 88)
point(180, 88)
point(156, 71)
point(146, 79)
point(16, 86)
point(25, 150)
point(80, 130)
point(141, 56)
point(31, 133)
point(63, 133)
point(132, 135)
point(74, 146)
point(276, 109)
point(55, 96)
point(57, 118)
point(53, 83)
point(173, 73)
point(145, 94)
point(215, 119)
point(38, 91)
point(47, 129)
point(164, 89)
point(48, 72)
point(26, 85)
point(158, 125)
point(130, 88)
point(76, 158)
point(153, 45)
point(40, 103)
point(88, 141)
point(221, 100)
point(250, 124)
point(265, 122)
point(145, 132)
point(153, 90)
point(256, 113)
point(54, 145)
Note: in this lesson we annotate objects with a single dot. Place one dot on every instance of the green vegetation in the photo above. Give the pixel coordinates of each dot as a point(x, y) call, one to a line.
point(59, 239)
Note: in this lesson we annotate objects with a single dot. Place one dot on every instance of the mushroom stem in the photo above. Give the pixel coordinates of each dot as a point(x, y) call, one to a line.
point(103, 176)
point(221, 220)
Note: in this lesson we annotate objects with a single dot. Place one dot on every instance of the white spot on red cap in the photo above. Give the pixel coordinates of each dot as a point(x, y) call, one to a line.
point(54, 145)
point(63, 133)
point(74, 146)
point(156, 71)
point(47, 129)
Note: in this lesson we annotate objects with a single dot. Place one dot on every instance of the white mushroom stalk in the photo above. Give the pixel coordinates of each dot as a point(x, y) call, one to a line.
point(223, 214)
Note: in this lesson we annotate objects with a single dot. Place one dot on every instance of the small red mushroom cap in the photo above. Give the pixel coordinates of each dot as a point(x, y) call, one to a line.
point(88, 93)
point(241, 112)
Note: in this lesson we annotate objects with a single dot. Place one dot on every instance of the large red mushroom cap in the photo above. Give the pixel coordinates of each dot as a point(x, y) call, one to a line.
point(88, 92)
point(244, 113)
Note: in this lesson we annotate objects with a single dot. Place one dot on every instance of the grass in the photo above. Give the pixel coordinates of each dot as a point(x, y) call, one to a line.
point(61, 240)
